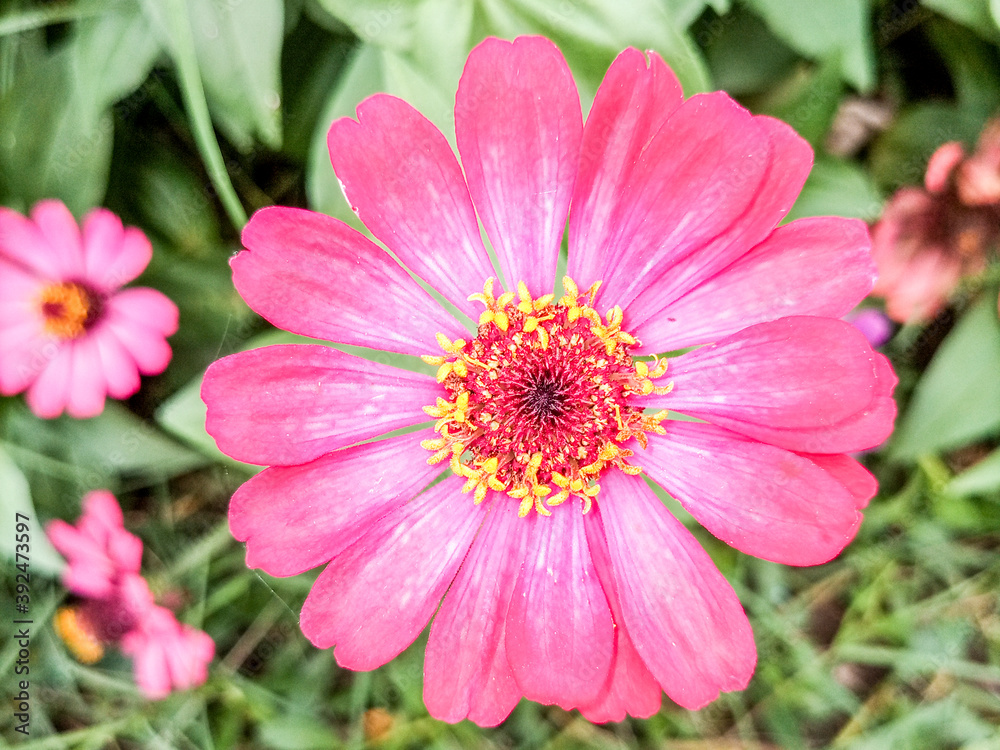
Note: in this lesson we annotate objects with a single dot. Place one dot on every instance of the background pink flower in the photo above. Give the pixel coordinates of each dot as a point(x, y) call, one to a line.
point(116, 606)
point(68, 334)
point(674, 208)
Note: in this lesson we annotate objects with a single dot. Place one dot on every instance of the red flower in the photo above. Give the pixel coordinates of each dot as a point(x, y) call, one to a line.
point(564, 579)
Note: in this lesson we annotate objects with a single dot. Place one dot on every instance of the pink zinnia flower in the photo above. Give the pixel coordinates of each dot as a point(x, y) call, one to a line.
point(930, 238)
point(67, 334)
point(116, 606)
point(564, 579)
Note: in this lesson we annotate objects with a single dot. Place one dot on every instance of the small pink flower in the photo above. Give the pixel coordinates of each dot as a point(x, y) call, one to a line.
point(116, 606)
point(930, 238)
point(68, 335)
point(564, 579)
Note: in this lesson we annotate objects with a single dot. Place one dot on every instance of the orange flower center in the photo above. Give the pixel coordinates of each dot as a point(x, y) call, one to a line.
point(68, 308)
point(78, 635)
point(539, 401)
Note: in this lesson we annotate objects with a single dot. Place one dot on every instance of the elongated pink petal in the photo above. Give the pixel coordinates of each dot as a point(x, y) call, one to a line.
point(27, 351)
point(403, 180)
point(762, 500)
point(313, 275)
point(113, 255)
point(23, 244)
point(375, 598)
point(860, 431)
point(816, 266)
point(630, 688)
point(560, 635)
point(144, 307)
point(789, 159)
point(48, 394)
point(518, 128)
point(684, 619)
point(800, 372)
point(62, 235)
point(465, 669)
point(294, 518)
point(693, 181)
point(89, 386)
point(304, 401)
point(118, 365)
point(855, 478)
point(633, 102)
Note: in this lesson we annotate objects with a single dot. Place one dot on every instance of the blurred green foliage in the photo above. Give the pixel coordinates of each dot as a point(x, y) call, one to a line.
point(184, 115)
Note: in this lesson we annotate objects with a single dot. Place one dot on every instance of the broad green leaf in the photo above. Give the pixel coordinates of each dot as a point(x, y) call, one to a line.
point(15, 497)
point(297, 733)
point(55, 144)
point(976, 14)
point(837, 188)
point(743, 55)
point(808, 101)
point(113, 53)
point(821, 30)
point(238, 47)
point(982, 478)
point(958, 398)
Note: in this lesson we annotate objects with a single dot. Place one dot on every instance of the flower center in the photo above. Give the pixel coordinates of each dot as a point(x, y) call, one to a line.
point(69, 308)
point(76, 631)
point(538, 402)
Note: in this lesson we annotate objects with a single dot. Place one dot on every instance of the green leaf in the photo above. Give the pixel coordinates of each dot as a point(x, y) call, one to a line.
point(297, 733)
point(837, 188)
point(743, 55)
point(113, 54)
point(976, 14)
point(821, 30)
point(958, 398)
point(16, 498)
point(980, 479)
point(808, 100)
point(238, 48)
point(56, 144)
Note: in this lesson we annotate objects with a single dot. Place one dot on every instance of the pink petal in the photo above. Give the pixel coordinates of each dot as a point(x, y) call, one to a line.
point(313, 275)
point(118, 366)
point(630, 688)
point(692, 182)
point(22, 243)
point(62, 235)
point(89, 386)
point(375, 598)
point(48, 394)
point(634, 101)
point(792, 373)
point(19, 292)
point(291, 404)
point(560, 634)
point(466, 673)
point(518, 129)
point(403, 180)
point(818, 266)
point(865, 429)
point(854, 477)
point(113, 255)
point(789, 161)
point(141, 306)
point(684, 619)
point(762, 500)
point(27, 351)
point(294, 518)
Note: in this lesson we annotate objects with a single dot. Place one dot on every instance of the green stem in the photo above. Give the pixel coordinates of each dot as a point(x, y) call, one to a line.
point(193, 93)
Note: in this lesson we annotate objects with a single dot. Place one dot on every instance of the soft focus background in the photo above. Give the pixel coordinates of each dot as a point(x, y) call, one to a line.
point(184, 115)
